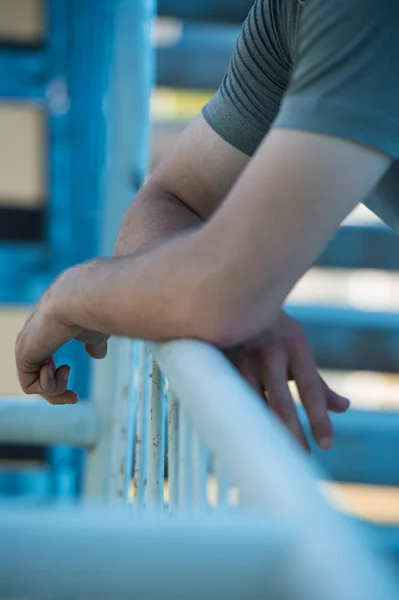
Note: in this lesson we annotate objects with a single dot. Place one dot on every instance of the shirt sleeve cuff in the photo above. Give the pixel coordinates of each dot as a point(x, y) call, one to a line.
point(367, 128)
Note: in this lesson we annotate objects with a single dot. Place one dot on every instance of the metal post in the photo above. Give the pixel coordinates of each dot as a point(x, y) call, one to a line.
point(36, 422)
point(155, 486)
point(142, 427)
point(185, 462)
point(107, 465)
point(223, 488)
point(125, 99)
point(173, 452)
point(224, 408)
point(200, 472)
point(108, 556)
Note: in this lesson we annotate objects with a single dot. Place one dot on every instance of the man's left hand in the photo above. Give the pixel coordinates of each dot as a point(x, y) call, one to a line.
point(44, 332)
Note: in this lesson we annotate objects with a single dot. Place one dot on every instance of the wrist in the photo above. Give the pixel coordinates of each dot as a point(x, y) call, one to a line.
point(77, 290)
point(60, 298)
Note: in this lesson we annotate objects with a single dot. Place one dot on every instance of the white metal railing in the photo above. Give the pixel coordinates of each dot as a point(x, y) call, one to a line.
point(208, 416)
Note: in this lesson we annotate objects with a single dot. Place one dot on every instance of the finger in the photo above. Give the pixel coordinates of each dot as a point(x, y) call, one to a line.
point(67, 397)
point(60, 394)
point(256, 385)
point(279, 395)
point(312, 394)
point(335, 402)
point(54, 385)
point(97, 350)
point(46, 378)
point(247, 365)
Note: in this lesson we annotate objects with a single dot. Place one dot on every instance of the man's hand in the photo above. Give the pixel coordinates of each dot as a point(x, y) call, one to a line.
point(42, 335)
point(271, 360)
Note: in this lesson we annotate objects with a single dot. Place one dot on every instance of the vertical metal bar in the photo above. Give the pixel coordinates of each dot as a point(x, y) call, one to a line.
point(173, 452)
point(108, 464)
point(200, 472)
point(63, 460)
point(223, 488)
point(125, 404)
point(185, 462)
point(127, 101)
point(156, 465)
point(142, 427)
point(119, 161)
point(130, 422)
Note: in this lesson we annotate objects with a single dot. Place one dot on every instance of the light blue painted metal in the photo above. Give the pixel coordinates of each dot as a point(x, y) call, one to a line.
point(141, 452)
point(347, 339)
point(185, 462)
point(365, 449)
point(272, 474)
point(200, 472)
point(92, 77)
point(59, 235)
point(223, 488)
point(115, 119)
point(125, 401)
point(23, 72)
point(107, 464)
point(126, 105)
point(199, 59)
point(365, 247)
point(131, 420)
point(206, 10)
point(36, 422)
point(173, 452)
point(156, 459)
point(109, 556)
point(33, 484)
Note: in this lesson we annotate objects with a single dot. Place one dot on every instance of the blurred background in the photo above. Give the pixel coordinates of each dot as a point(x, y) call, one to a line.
point(51, 135)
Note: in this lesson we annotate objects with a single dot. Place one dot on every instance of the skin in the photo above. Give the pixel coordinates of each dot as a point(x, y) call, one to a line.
point(247, 233)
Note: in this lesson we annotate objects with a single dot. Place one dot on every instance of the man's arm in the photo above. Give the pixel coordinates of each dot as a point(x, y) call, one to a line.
point(226, 281)
point(184, 190)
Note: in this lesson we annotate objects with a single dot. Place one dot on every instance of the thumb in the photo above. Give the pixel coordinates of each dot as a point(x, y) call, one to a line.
point(98, 350)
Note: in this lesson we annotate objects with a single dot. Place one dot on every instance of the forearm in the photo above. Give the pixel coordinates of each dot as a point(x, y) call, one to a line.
point(154, 216)
point(155, 294)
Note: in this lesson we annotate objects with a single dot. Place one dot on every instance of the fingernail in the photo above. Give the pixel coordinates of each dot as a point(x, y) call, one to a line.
point(346, 400)
point(325, 443)
point(66, 375)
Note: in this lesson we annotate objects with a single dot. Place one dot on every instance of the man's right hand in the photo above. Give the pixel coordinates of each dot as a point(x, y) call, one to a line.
point(281, 354)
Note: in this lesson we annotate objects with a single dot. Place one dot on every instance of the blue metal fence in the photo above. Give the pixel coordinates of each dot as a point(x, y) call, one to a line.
point(92, 78)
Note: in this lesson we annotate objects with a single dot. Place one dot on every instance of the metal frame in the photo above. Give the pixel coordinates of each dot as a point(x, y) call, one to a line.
point(272, 475)
point(112, 555)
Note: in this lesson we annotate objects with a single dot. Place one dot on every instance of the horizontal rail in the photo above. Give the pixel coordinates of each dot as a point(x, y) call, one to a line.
point(24, 73)
point(199, 59)
point(362, 247)
point(270, 472)
point(38, 423)
point(365, 450)
point(233, 11)
point(112, 556)
point(348, 339)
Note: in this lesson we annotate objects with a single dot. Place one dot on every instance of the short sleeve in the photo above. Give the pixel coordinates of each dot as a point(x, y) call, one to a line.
point(345, 79)
point(248, 100)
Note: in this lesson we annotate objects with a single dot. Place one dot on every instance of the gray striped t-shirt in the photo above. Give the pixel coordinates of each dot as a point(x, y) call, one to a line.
point(330, 66)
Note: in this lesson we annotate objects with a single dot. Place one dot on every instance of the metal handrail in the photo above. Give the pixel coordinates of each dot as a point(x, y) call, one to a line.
point(273, 476)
